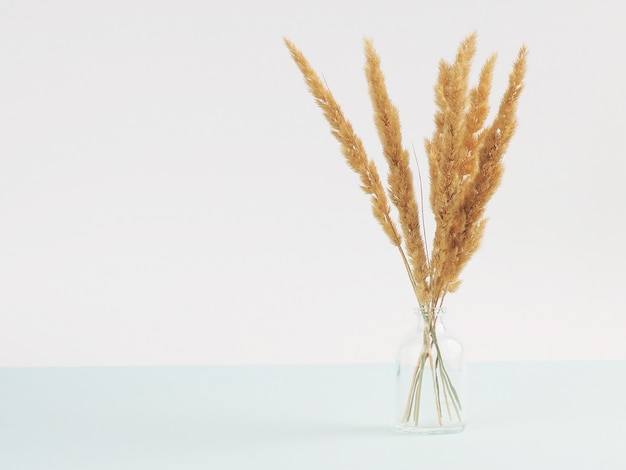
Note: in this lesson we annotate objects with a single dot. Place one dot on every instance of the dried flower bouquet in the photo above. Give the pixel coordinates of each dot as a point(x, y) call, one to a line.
point(465, 166)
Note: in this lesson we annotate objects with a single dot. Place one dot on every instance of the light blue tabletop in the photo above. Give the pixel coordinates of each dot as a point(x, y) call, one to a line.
point(569, 415)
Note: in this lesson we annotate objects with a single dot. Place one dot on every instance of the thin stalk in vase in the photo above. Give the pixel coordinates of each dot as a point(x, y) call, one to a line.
point(418, 391)
point(445, 378)
point(448, 384)
point(443, 386)
point(429, 333)
point(413, 399)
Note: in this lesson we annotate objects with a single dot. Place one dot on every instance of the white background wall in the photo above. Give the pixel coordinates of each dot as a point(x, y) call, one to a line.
point(170, 194)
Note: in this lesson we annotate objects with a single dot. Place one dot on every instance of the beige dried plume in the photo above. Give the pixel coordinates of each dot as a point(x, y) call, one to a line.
point(464, 157)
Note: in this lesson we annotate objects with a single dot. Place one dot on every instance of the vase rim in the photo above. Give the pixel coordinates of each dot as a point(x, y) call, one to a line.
point(426, 308)
point(423, 309)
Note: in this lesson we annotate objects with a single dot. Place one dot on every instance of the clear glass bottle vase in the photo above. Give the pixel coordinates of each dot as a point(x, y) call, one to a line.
point(430, 378)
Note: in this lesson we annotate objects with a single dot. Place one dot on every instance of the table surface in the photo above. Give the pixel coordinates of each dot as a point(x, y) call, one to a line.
point(568, 415)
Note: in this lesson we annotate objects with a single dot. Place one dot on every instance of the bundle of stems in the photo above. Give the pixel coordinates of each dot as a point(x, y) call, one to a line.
point(465, 166)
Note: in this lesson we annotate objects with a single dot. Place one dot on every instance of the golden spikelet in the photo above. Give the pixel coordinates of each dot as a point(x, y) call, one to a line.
point(400, 177)
point(464, 156)
point(461, 239)
point(449, 158)
point(475, 117)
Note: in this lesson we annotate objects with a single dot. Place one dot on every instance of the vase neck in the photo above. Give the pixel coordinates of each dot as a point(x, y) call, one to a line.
point(429, 316)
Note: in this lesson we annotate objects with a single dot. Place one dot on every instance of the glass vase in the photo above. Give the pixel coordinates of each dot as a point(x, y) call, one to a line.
point(430, 378)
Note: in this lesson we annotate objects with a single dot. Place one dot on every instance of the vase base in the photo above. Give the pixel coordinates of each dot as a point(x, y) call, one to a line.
point(434, 429)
